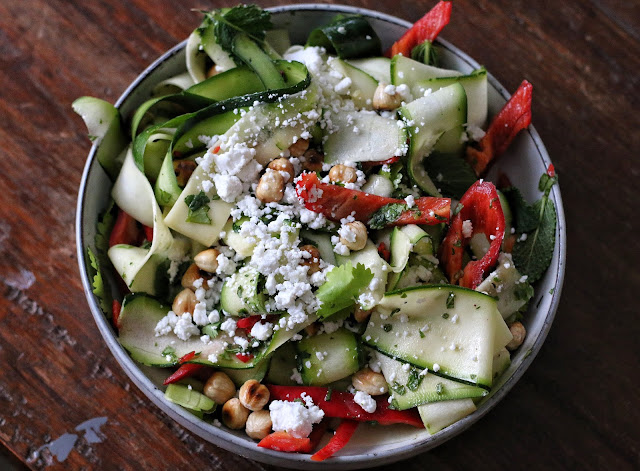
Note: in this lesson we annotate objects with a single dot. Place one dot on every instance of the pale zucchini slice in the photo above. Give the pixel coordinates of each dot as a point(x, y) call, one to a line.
point(362, 136)
point(410, 388)
point(439, 415)
point(452, 331)
point(219, 212)
point(138, 319)
point(138, 266)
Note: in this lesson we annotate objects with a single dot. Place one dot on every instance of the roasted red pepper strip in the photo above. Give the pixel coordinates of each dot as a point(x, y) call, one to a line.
point(341, 405)
point(148, 233)
point(337, 202)
point(426, 28)
point(283, 441)
point(343, 434)
point(248, 322)
point(185, 371)
point(481, 205)
point(244, 357)
point(384, 252)
point(514, 117)
point(551, 171)
point(115, 309)
point(125, 230)
point(188, 357)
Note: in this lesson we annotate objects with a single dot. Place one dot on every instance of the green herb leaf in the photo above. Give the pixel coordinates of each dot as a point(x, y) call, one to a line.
point(523, 291)
point(386, 215)
point(525, 218)
point(451, 300)
point(171, 353)
point(342, 288)
point(415, 378)
point(97, 283)
point(103, 230)
point(456, 174)
point(348, 37)
point(398, 388)
point(533, 255)
point(248, 19)
point(198, 208)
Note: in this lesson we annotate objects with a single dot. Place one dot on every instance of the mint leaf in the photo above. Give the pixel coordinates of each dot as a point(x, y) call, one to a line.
point(97, 283)
point(533, 255)
point(525, 218)
point(248, 19)
point(386, 215)
point(198, 208)
point(451, 174)
point(342, 288)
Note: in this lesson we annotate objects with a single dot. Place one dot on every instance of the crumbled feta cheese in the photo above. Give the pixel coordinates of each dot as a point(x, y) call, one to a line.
point(294, 417)
point(262, 331)
point(411, 201)
point(467, 228)
point(365, 401)
point(229, 326)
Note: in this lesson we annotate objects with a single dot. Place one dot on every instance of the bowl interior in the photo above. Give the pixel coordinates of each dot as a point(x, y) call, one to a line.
point(524, 162)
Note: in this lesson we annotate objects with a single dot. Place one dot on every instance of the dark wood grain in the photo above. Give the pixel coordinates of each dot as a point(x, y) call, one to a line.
point(577, 407)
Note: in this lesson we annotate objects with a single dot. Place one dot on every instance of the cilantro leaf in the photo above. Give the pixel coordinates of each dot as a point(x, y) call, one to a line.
point(198, 208)
point(97, 283)
point(386, 215)
point(342, 288)
point(100, 259)
point(249, 19)
point(103, 230)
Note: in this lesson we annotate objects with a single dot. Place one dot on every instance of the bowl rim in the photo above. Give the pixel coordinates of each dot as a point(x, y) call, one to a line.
point(248, 449)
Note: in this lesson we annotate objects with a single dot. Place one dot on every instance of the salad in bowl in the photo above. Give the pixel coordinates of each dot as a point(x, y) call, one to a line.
point(304, 236)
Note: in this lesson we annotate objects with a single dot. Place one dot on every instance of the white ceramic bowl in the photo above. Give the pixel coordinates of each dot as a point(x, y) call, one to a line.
point(371, 446)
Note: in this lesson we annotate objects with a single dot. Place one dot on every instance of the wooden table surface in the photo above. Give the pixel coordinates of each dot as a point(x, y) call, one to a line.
point(578, 405)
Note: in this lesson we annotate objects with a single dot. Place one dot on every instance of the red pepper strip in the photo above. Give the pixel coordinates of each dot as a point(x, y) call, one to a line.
point(148, 233)
point(283, 441)
point(115, 309)
point(343, 434)
point(384, 252)
point(427, 27)
point(244, 357)
point(337, 202)
point(551, 171)
point(185, 371)
point(188, 357)
point(514, 117)
point(125, 230)
point(248, 322)
point(341, 405)
point(369, 165)
point(481, 205)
